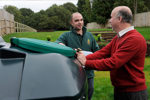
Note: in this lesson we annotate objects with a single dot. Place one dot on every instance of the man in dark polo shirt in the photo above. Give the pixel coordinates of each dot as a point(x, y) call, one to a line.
point(78, 37)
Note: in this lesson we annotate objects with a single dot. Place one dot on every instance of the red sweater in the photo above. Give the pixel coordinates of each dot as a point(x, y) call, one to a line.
point(124, 57)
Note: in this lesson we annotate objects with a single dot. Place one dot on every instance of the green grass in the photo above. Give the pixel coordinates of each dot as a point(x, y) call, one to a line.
point(145, 31)
point(147, 73)
point(35, 35)
point(103, 89)
point(54, 35)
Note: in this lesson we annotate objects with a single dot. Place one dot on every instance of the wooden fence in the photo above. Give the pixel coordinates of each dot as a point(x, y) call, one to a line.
point(23, 28)
point(8, 25)
point(142, 19)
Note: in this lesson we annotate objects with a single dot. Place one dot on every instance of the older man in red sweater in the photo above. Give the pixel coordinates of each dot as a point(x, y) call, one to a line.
point(124, 57)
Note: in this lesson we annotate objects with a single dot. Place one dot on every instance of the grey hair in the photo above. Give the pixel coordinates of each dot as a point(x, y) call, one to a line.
point(126, 16)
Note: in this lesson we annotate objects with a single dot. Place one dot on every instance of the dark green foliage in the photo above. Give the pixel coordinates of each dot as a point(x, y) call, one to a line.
point(54, 18)
point(60, 15)
point(71, 7)
point(141, 5)
point(102, 10)
point(26, 12)
point(147, 3)
point(84, 8)
point(26, 15)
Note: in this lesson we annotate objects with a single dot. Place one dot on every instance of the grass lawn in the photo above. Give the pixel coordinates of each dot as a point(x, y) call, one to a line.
point(54, 35)
point(36, 35)
point(103, 89)
point(145, 32)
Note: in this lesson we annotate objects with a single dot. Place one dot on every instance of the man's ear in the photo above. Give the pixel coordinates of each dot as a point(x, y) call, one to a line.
point(120, 18)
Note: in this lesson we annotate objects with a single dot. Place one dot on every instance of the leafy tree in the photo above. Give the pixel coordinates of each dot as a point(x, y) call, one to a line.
point(63, 16)
point(15, 11)
point(101, 10)
point(55, 23)
point(33, 21)
point(141, 7)
point(26, 12)
point(57, 17)
point(147, 3)
point(42, 12)
point(84, 8)
point(71, 7)
point(43, 21)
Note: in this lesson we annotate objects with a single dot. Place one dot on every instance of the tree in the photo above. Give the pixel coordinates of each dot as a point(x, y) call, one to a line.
point(101, 10)
point(70, 6)
point(84, 8)
point(43, 23)
point(33, 21)
point(26, 15)
point(26, 12)
point(55, 23)
point(137, 6)
point(141, 7)
point(62, 14)
point(147, 3)
point(15, 11)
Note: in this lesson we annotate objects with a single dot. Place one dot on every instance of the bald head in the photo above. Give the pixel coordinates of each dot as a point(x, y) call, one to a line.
point(76, 21)
point(125, 12)
point(74, 15)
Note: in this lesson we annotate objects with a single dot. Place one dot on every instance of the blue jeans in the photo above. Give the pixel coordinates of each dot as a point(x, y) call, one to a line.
point(90, 87)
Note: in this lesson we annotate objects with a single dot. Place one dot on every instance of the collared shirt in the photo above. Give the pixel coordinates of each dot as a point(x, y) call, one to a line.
point(124, 31)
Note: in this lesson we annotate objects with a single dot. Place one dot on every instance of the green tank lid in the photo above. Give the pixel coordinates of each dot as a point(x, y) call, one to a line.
point(43, 46)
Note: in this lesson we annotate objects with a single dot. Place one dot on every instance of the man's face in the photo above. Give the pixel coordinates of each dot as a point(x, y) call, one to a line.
point(77, 21)
point(114, 21)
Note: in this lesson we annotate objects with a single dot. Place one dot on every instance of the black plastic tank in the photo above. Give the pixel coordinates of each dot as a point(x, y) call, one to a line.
point(27, 75)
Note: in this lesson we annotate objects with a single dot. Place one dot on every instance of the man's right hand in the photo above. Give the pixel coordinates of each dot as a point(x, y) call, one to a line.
point(81, 57)
point(62, 44)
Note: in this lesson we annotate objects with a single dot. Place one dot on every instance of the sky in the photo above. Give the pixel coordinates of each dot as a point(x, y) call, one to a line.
point(34, 5)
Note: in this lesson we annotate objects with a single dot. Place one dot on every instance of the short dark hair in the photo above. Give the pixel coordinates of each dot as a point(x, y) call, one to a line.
point(126, 16)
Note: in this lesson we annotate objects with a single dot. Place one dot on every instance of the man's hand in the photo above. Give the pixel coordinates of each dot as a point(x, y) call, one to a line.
point(62, 44)
point(81, 57)
point(77, 62)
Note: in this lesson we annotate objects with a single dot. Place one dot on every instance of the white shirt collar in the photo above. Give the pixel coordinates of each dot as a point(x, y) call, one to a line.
point(124, 31)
